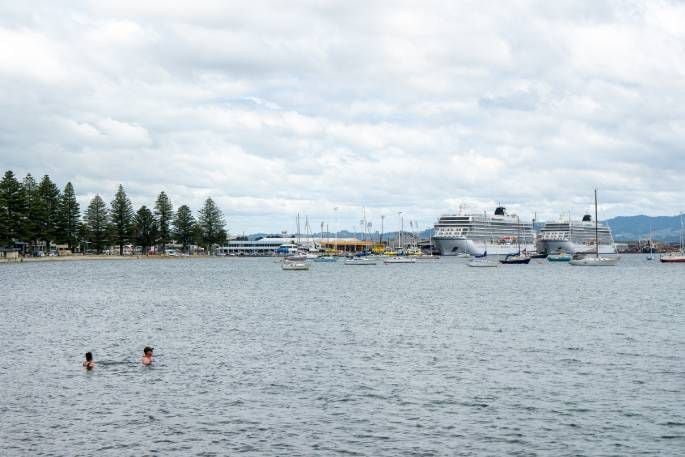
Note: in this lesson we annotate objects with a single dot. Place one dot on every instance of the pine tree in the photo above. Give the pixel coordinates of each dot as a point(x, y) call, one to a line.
point(211, 222)
point(164, 212)
point(184, 226)
point(29, 226)
point(47, 209)
point(121, 216)
point(69, 215)
point(145, 229)
point(12, 208)
point(96, 219)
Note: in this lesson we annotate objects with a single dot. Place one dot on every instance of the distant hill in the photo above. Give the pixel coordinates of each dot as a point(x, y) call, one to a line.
point(664, 228)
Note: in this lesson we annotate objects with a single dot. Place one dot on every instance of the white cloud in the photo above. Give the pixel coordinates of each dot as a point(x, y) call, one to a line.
point(278, 108)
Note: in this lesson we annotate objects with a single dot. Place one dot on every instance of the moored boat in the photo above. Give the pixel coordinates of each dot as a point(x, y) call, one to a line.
point(399, 259)
point(590, 261)
point(360, 261)
point(597, 260)
point(561, 257)
point(679, 256)
point(515, 259)
point(675, 257)
point(294, 266)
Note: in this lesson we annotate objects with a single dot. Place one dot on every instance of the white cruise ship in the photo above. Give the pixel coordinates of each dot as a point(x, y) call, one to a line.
point(479, 233)
point(574, 237)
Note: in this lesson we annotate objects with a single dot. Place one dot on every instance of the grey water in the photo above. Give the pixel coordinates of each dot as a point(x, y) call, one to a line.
point(388, 360)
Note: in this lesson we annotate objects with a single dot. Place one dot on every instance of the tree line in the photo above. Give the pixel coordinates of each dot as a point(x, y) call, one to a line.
point(36, 213)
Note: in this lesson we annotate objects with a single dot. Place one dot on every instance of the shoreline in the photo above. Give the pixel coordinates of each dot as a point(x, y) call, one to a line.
point(76, 258)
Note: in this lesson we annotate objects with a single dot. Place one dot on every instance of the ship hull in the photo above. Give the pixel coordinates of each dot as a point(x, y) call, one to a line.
point(451, 246)
point(569, 247)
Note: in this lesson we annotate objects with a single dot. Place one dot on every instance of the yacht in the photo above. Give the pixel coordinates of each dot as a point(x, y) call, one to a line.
point(583, 260)
point(479, 233)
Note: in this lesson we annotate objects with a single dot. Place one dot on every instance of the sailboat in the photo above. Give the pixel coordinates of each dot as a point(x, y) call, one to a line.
point(679, 256)
point(651, 246)
point(596, 261)
point(518, 258)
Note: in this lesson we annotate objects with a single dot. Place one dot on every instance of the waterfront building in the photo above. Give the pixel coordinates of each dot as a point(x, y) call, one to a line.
point(269, 246)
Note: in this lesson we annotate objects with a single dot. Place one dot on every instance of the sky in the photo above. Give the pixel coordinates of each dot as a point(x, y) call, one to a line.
point(279, 108)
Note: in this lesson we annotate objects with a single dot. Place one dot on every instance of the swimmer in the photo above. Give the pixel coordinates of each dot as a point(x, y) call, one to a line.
point(89, 364)
point(147, 355)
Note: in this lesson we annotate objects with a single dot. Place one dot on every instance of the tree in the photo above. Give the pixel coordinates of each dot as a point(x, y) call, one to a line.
point(96, 219)
point(12, 208)
point(121, 216)
point(184, 226)
point(145, 228)
point(29, 228)
point(46, 214)
point(211, 223)
point(68, 218)
point(164, 212)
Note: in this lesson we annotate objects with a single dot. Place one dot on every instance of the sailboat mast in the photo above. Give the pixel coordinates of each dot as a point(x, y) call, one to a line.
point(596, 229)
point(681, 232)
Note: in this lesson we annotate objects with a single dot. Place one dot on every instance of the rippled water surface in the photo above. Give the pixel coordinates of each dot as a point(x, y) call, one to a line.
point(423, 359)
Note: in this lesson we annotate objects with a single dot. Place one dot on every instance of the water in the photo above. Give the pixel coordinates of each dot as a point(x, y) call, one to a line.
point(422, 359)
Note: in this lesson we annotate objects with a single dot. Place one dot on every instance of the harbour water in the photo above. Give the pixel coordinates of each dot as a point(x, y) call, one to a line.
point(416, 359)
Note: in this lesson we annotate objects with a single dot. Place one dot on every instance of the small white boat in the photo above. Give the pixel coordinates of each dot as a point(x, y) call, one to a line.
point(596, 261)
point(463, 255)
point(294, 266)
point(591, 261)
point(360, 261)
point(399, 259)
point(673, 257)
point(483, 263)
point(678, 256)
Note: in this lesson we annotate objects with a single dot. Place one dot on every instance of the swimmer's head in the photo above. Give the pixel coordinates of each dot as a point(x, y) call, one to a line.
point(89, 356)
point(147, 350)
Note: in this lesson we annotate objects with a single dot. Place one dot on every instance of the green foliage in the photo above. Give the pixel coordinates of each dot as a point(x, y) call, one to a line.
point(145, 229)
point(46, 210)
point(96, 220)
point(12, 209)
point(164, 212)
point(184, 223)
point(29, 231)
point(68, 217)
point(211, 223)
point(121, 216)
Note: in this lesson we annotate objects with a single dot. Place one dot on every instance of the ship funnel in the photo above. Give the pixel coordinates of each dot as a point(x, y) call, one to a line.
point(499, 211)
point(587, 218)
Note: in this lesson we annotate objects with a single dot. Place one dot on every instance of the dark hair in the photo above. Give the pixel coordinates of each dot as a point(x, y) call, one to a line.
point(89, 356)
point(147, 349)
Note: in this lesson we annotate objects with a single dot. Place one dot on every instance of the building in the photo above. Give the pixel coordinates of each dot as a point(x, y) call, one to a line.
point(346, 245)
point(269, 246)
point(260, 247)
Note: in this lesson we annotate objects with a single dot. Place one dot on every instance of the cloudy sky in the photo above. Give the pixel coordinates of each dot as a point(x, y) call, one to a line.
point(275, 108)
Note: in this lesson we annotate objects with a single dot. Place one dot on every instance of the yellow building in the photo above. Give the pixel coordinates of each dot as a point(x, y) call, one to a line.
point(346, 245)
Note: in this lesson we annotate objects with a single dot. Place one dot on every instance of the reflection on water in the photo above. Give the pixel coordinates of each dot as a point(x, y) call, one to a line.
point(419, 359)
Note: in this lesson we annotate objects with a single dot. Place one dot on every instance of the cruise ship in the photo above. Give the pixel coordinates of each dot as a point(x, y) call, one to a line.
point(574, 237)
point(479, 233)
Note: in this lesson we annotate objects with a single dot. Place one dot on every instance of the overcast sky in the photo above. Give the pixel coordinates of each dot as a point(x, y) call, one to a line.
point(285, 107)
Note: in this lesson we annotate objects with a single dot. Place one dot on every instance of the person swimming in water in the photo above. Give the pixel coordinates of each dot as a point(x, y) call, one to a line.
point(89, 364)
point(147, 355)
